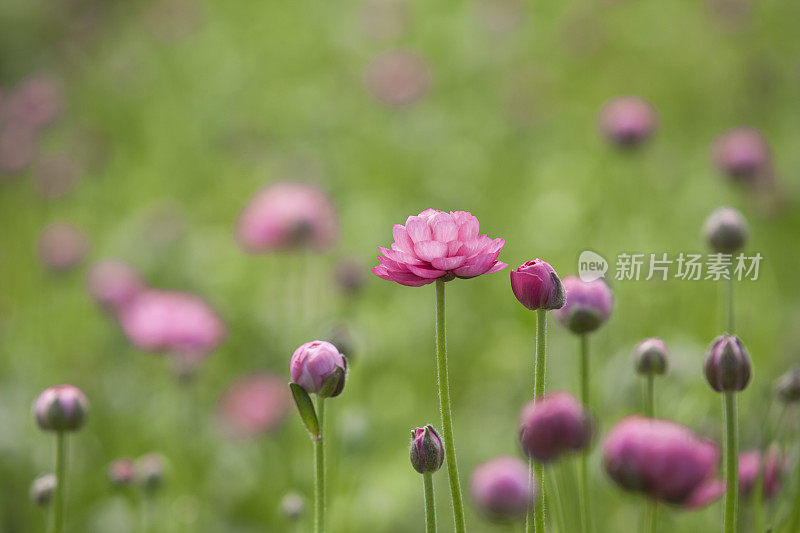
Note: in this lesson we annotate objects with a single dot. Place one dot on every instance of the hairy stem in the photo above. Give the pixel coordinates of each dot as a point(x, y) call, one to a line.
point(536, 523)
point(319, 470)
point(732, 461)
point(430, 503)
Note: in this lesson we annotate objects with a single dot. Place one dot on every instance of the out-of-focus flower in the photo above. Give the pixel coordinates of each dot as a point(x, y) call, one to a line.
point(727, 364)
point(173, 20)
point(341, 337)
point(787, 387)
point(55, 174)
point(113, 284)
point(150, 471)
point(501, 488)
point(663, 460)
point(537, 286)
point(426, 451)
point(350, 274)
point(651, 357)
point(122, 472)
point(292, 506)
point(319, 368)
point(588, 305)
point(37, 101)
point(398, 77)
point(42, 489)
point(553, 425)
point(179, 323)
point(726, 230)
point(62, 246)
point(18, 145)
point(286, 215)
point(627, 120)
point(384, 19)
point(436, 244)
point(253, 405)
point(61, 408)
point(751, 467)
point(743, 155)
point(500, 16)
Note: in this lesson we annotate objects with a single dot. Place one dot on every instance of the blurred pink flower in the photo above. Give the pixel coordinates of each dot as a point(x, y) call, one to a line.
point(55, 174)
point(113, 283)
point(287, 215)
point(588, 305)
point(398, 77)
point(253, 405)
point(771, 466)
point(18, 145)
point(37, 101)
point(553, 425)
point(62, 246)
point(743, 155)
point(436, 244)
point(501, 488)
point(627, 120)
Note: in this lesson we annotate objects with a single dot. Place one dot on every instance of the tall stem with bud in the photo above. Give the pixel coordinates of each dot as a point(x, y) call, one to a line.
point(319, 470)
point(57, 525)
point(535, 521)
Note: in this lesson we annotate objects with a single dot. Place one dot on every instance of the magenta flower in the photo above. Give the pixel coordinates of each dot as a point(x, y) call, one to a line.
point(663, 460)
point(61, 408)
point(436, 244)
point(501, 488)
point(727, 364)
point(744, 156)
point(537, 286)
point(113, 284)
point(62, 246)
point(627, 120)
point(285, 216)
point(751, 465)
point(253, 405)
point(179, 323)
point(319, 368)
point(588, 305)
point(553, 425)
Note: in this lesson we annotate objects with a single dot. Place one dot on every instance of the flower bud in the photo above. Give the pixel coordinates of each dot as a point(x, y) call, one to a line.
point(787, 388)
point(319, 368)
point(588, 305)
point(292, 506)
point(743, 155)
point(726, 230)
point(554, 424)
point(150, 471)
point(627, 120)
point(427, 452)
point(61, 408)
point(537, 286)
point(501, 488)
point(727, 364)
point(42, 489)
point(121, 472)
point(650, 357)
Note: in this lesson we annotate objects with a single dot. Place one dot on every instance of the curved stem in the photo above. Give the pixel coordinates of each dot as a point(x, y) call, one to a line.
point(447, 416)
point(537, 523)
point(584, 459)
point(732, 461)
point(319, 470)
point(430, 503)
point(57, 525)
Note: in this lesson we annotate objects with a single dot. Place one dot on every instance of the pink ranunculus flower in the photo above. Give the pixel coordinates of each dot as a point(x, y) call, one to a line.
point(179, 323)
point(287, 215)
point(253, 405)
point(663, 460)
point(319, 368)
point(436, 244)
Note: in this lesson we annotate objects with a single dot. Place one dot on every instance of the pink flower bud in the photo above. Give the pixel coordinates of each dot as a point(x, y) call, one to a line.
point(122, 472)
point(553, 425)
point(150, 471)
point(501, 488)
point(588, 305)
point(62, 246)
point(319, 368)
point(285, 216)
point(663, 460)
point(726, 230)
point(752, 465)
point(627, 120)
point(742, 154)
point(113, 284)
point(537, 286)
point(727, 364)
point(787, 388)
point(253, 405)
point(292, 506)
point(61, 408)
point(398, 77)
point(651, 357)
point(42, 489)
point(427, 451)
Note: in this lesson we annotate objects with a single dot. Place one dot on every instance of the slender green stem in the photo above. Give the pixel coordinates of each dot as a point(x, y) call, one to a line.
point(537, 523)
point(730, 303)
point(146, 511)
point(319, 470)
point(57, 524)
point(584, 459)
point(447, 416)
point(558, 502)
point(430, 503)
point(651, 515)
point(732, 461)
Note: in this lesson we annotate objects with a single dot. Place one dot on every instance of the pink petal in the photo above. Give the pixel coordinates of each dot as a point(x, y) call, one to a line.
point(476, 266)
point(494, 246)
point(444, 229)
point(448, 263)
point(392, 265)
point(401, 238)
point(474, 245)
point(418, 229)
point(498, 266)
point(468, 225)
point(428, 213)
point(426, 273)
point(429, 250)
point(409, 280)
point(708, 492)
point(400, 256)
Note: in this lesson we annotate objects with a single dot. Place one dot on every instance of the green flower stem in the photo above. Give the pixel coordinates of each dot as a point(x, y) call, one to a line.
point(57, 524)
point(319, 470)
point(585, 513)
point(732, 461)
point(447, 416)
point(651, 515)
point(558, 503)
point(537, 473)
point(730, 303)
point(430, 503)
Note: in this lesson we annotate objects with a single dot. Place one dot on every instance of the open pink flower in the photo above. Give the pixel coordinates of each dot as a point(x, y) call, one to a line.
point(436, 244)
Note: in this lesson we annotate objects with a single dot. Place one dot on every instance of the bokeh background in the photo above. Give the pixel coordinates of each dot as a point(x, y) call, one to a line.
point(169, 114)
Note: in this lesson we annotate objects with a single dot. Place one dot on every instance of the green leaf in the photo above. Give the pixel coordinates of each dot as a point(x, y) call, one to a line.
point(306, 409)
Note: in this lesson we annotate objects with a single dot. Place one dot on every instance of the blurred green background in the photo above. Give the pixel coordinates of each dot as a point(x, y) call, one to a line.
point(190, 106)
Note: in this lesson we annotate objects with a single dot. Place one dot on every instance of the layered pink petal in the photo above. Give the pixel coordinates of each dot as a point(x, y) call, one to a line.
point(418, 229)
point(401, 239)
point(448, 263)
point(430, 250)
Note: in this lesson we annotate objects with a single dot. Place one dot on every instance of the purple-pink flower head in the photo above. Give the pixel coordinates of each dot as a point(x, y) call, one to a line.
point(113, 284)
point(537, 286)
point(663, 460)
point(61, 408)
point(743, 155)
point(121, 472)
point(771, 466)
point(398, 77)
point(178, 323)
point(319, 368)
point(286, 216)
point(727, 364)
point(651, 357)
point(553, 425)
point(436, 244)
point(426, 451)
point(253, 405)
point(62, 246)
point(501, 488)
point(726, 230)
point(588, 305)
point(627, 120)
